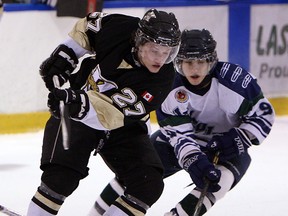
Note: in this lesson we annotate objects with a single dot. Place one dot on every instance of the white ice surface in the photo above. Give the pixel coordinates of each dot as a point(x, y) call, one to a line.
point(262, 192)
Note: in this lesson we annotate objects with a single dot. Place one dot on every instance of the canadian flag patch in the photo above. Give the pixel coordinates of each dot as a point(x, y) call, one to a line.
point(147, 96)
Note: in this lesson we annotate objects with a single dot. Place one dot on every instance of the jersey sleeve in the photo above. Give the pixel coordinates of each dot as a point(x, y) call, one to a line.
point(90, 23)
point(258, 120)
point(102, 32)
point(242, 95)
point(177, 129)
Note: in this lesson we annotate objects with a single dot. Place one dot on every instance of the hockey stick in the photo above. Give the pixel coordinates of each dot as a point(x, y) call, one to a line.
point(64, 115)
point(8, 212)
point(199, 204)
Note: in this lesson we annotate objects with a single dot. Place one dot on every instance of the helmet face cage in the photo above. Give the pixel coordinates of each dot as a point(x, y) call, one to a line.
point(196, 45)
point(161, 28)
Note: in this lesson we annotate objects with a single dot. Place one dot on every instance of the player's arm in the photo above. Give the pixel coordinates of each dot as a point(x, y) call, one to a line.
point(258, 120)
point(85, 30)
point(256, 116)
point(100, 32)
point(176, 126)
point(254, 128)
point(64, 59)
point(179, 132)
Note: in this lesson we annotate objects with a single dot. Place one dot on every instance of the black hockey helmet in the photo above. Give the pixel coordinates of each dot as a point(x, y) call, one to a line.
point(159, 27)
point(196, 45)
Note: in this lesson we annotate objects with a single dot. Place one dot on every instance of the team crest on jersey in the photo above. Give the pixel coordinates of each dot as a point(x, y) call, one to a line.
point(147, 96)
point(181, 96)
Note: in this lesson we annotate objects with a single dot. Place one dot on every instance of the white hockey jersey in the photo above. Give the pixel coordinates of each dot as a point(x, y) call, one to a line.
point(188, 120)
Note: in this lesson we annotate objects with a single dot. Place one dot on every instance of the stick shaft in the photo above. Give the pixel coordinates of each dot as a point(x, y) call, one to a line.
point(6, 211)
point(199, 204)
point(63, 117)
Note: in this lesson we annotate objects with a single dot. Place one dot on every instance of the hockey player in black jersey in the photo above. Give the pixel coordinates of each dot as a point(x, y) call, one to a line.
point(214, 108)
point(128, 74)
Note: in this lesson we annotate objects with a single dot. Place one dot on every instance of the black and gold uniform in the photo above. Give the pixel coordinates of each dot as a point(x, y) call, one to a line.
point(109, 100)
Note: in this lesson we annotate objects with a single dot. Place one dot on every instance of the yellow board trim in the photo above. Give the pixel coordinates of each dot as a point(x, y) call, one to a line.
point(280, 105)
point(23, 122)
point(31, 122)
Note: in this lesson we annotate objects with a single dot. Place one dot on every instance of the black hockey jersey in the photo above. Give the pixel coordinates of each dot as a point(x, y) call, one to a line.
point(120, 92)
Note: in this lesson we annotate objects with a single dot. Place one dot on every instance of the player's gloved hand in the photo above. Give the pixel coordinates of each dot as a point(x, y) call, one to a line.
point(201, 170)
point(61, 63)
point(76, 100)
point(232, 144)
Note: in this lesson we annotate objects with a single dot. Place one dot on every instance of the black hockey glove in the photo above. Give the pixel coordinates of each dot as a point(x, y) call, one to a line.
point(76, 100)
point(202, 170)
point(232, 144)
point(61, 63)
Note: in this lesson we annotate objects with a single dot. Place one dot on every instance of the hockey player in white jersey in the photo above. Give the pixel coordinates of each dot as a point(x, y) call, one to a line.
point(214, 108)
